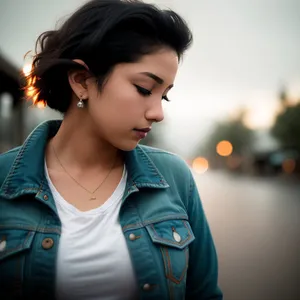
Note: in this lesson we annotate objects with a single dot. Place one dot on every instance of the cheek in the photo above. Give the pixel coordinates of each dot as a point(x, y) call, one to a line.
point(125, 101)
point(119, 105)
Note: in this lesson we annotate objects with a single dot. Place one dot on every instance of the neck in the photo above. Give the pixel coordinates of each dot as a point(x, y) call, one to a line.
point(78, 146)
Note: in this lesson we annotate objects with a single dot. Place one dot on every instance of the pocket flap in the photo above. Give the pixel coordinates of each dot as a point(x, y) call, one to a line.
point(173, 233)
point(13, 241)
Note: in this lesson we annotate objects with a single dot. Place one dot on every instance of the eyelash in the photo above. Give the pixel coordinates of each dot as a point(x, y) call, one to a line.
point(145, 92)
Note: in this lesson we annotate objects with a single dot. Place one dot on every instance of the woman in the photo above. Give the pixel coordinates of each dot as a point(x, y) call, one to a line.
point(87, 213)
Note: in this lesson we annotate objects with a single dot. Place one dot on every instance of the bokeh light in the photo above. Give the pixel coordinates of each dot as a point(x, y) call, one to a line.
point(224, 148)
point(200, 165)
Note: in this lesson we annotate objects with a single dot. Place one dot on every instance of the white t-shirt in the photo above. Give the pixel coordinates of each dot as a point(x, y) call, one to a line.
point(93, 260)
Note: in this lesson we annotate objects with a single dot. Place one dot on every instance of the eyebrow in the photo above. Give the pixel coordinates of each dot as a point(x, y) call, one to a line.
point(155, 78)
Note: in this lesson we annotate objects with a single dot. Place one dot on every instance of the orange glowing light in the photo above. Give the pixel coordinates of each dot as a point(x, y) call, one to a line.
point(224, 148)
point(200, 165)
point(27, 69)
point(289, 166)
point(35, 98)
point(32, 92)
point(41, 104)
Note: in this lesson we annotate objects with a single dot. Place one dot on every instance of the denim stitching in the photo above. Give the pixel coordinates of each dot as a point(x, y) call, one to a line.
point(132, 226)
point(149, 222)
point(164, 260)
point(171, 293)
point(21, 193)
point(168, 261)
point(151, 165)
point(171, 276)
point(186, 226)
point(170, 241)
point(171, 217)
point(187, 256)
point(186, 263)
point(149, 184)
point(36, 190)
point(170, 286)
point(18, 226)
point(40, 188)
point(36, 229)
point(15, 164)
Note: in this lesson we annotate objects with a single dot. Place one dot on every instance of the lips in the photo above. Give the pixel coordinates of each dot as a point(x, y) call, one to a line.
point(141, 133)
point(145, 130)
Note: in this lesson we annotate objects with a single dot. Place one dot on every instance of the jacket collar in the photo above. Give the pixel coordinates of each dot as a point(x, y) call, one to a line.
point(27, 174)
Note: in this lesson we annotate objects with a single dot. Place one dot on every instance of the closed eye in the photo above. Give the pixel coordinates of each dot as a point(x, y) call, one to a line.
point(145, 92)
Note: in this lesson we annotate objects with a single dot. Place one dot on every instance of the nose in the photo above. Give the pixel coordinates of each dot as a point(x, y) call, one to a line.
point(154, 112)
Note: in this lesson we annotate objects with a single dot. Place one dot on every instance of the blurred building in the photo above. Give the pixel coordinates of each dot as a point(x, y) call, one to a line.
point(17, 117)
point(11, 108)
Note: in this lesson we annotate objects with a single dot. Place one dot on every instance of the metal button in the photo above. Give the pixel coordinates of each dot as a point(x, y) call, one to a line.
point(146, 287)
point(46, 197)
point(176, 235)
point(47, 243)
point(2, 245)
point(132, 236)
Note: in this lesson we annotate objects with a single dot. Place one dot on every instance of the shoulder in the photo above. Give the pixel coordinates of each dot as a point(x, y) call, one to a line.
point(169, 159)
point(171, 165)
point(6, 161)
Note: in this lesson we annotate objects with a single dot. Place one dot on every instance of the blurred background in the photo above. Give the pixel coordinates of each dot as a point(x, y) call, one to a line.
point(234, 118)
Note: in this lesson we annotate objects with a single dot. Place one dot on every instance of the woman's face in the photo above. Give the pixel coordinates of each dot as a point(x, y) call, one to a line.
point(131, 99)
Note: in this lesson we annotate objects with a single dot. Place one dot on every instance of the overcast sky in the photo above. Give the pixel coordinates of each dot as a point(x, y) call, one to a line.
point(243, 52)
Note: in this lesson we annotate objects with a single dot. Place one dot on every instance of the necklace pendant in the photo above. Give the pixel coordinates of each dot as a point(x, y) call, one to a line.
point(93, 198)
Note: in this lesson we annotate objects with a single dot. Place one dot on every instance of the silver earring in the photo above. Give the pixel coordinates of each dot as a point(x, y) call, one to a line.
point(80, 103)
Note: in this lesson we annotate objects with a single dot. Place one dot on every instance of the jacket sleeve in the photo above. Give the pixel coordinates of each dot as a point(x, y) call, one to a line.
point(202, 276)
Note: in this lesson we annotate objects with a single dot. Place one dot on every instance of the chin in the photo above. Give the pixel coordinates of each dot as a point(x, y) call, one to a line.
point(127, 146)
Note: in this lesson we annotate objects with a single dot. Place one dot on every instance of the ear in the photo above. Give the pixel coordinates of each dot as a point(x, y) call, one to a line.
point(77, 80)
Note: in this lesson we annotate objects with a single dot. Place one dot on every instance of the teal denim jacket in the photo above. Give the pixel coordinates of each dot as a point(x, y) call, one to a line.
point(160, 198)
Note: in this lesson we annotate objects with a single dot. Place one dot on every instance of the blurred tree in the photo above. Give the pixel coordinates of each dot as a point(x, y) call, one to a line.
point(286, 128)
point(233, 131)
point(283, 98)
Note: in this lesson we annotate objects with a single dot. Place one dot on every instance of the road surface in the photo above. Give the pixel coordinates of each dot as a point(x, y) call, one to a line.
point(255, 223)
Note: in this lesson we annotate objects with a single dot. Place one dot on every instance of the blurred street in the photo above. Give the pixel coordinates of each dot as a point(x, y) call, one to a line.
point(255, 223)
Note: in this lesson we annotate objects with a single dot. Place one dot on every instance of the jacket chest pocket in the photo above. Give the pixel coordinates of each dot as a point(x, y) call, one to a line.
point(173, 238)
point(14, 244)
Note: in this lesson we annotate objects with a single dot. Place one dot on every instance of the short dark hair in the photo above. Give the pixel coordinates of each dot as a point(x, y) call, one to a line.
point(102, 33)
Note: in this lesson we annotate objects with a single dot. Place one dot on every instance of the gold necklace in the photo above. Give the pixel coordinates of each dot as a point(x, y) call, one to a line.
point(92, 197)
